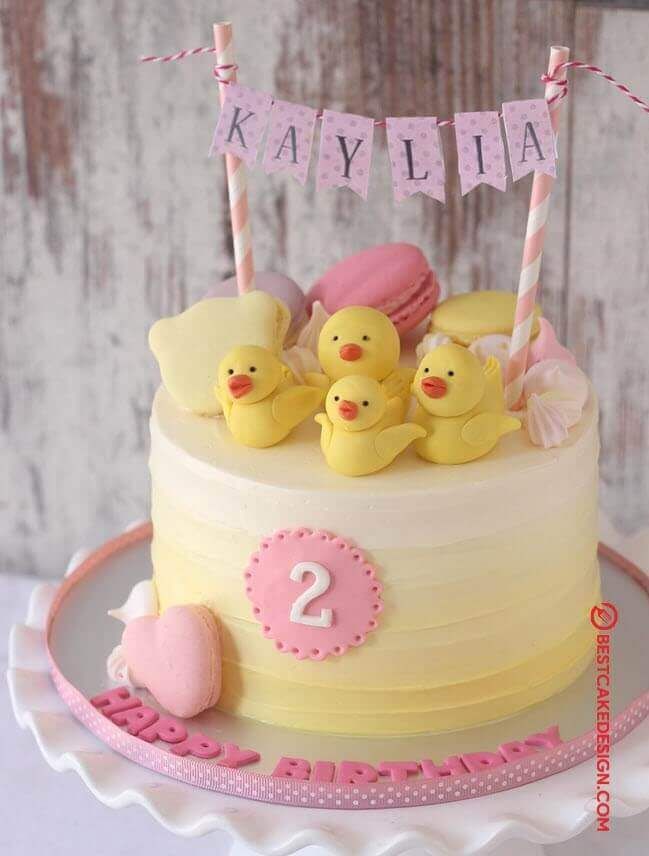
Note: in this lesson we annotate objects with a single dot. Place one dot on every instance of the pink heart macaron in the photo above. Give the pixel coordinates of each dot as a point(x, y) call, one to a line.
point(177, 657)
point(394, 278)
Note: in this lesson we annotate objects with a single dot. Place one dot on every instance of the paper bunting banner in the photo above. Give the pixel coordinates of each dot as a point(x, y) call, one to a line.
point(345, 151)
point(414, 145)
point(530, 138)
point(290, 135)
point(241, 123)
point(416, 157)
point(480, 151)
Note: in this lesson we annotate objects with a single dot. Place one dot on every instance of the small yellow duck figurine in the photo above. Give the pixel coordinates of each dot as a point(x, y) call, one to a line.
point(460, 404)
point(359, 435)
point(260, 400)
point(359, 340)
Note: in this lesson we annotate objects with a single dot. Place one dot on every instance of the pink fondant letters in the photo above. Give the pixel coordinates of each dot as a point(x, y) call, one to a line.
point(323, 771)
point(236, 757)
point(398, 771)
point(547, 739)
point(167, 729)
point(475, 762)
point(451, 767)
point(147, 724)
point(292, 768)
point(515, 750)
point(355, 773)
point(199, 746)
point(136, 719)
point(114, 701)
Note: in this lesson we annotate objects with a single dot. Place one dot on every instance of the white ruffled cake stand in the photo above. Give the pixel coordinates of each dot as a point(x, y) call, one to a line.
point(547, 811)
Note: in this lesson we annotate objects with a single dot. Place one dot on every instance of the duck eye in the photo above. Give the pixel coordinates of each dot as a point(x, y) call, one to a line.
point(336, 398)
point(451, 374)
point(253, 368)
point(366, 404)
point(366, 338)
point(335, 338)
point(230, 371)
point(426, 370)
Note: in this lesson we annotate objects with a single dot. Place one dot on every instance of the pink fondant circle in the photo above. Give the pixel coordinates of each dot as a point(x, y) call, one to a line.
point(350, 603)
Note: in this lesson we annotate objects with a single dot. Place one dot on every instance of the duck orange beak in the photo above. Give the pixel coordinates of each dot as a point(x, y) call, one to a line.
point(434, 387)
point(350, 352)
point(348, 410)
point(239, 385)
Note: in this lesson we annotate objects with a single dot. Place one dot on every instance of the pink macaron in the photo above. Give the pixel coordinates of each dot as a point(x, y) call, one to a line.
point(393, 278)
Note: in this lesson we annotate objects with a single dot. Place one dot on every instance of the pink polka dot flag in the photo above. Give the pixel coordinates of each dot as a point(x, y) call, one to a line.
point(345, 151)
point(480, 151)
point(416, 157)
point(530, 138)
point(242, 123)
point(290, 136)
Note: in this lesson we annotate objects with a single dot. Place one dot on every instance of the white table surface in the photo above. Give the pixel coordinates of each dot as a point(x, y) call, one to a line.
point(45, 812)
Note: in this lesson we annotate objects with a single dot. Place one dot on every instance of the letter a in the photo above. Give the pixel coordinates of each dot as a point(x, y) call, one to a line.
point(292, 145)
point(529, 131)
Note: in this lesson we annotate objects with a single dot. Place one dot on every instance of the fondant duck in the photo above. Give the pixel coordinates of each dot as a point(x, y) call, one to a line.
point(260, 401)
point(359, 435)
point(358, 340)
point(460, 404)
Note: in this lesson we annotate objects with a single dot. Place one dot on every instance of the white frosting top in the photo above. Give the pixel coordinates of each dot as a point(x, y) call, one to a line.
point(197, 464)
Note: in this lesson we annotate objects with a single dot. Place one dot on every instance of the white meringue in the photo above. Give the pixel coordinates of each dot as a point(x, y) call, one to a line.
point(310, 333)
point(544, 422)
point(142, 600)
point(117, 668)
point(563, 381)
point(555, 394)
point(429, 343)
point(301, 360)
point(495, 345)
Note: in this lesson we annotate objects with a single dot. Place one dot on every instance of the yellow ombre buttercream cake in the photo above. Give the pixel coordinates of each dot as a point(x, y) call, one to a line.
point(488, 569)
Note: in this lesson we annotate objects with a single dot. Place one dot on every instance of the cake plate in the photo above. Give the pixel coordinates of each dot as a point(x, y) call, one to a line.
point(546, 811)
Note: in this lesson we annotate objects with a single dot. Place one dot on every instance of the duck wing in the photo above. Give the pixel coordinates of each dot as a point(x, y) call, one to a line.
point(294, 404)
point(494, 397)
point(327, 430)
point(393, 440)
point(486, 428)
point(224, 401)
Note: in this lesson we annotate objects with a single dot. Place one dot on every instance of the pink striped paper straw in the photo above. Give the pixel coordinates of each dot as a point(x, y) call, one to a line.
point(528, 283)
point(236, 173)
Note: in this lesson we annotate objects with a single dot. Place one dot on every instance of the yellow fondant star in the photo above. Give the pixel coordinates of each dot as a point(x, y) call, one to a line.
point(190, 346)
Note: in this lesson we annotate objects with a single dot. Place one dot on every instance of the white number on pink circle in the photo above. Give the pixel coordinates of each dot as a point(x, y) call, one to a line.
point(313, 593)
point(320, 585)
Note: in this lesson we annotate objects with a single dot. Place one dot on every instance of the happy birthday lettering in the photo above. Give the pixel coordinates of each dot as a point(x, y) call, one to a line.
point(128, 712)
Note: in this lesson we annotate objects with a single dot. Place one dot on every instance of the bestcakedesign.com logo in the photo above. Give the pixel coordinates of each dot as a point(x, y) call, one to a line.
point(604, 617)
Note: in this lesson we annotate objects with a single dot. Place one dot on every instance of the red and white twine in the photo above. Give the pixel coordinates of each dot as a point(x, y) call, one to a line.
point(561, 82)
point(593, 69)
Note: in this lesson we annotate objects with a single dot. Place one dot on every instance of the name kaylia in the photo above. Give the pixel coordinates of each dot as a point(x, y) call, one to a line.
point(128, 712)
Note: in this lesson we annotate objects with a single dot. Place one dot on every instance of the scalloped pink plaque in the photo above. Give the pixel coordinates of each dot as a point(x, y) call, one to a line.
point(313, 593)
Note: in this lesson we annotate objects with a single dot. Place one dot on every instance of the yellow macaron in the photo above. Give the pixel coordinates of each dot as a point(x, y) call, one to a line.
point(467, 317)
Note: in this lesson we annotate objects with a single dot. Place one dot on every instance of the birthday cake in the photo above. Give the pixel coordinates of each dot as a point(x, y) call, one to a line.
point(352, 532)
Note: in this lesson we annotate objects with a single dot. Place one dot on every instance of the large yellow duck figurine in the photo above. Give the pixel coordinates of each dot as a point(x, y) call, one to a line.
point(358, 340)
point(260, 400)
point(460, 404)
point(359, 435)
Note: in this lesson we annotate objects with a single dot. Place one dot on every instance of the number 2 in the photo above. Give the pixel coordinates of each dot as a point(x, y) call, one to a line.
point(320, 585)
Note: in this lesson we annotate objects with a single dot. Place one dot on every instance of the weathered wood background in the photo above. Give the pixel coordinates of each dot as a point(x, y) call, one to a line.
point(112, 216)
